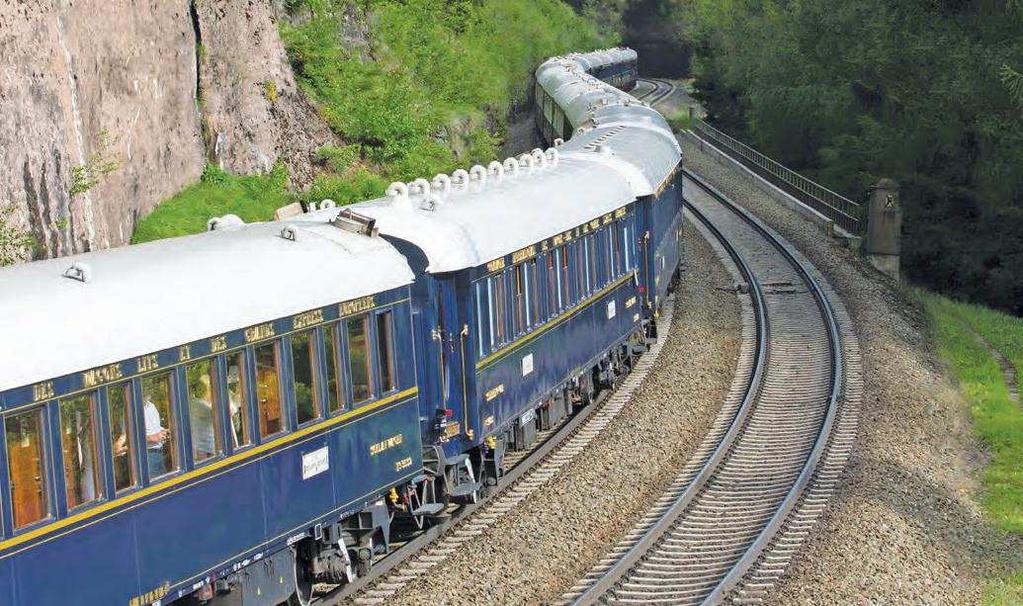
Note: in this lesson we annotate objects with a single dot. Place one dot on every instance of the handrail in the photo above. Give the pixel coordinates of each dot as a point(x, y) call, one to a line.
point(843, 211)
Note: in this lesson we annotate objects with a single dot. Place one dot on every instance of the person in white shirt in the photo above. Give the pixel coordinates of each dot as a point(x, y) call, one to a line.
point(156, 440)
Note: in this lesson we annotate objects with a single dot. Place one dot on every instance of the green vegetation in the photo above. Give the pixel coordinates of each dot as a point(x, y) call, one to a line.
point(253, 198)
point(997, 419)
point(434, 64)
point(413, 88)
point(928, 93)
point(15, 245)
point(99, 164)
point(1005, 592)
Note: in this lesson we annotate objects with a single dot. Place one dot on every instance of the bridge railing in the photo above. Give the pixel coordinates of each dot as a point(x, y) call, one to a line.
point(843, 211)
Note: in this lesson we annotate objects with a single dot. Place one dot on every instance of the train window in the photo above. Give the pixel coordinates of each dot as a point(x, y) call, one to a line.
point(122, 436)
point(268, 390)
point(616, 251)
point(78, 444)
point(203, 411)
point(303, 359)
point(385, 352)
point(26, 467)
point(499, 305)
point(532, 294)
point(158, 413)
point(238, 401)
point(588, 284)
point(480, 319)
point(553, 295)
point(358, 358)
point(625, 240)
point(591, 263)
point(564, 279)
point(519, 276)
point(334, 398)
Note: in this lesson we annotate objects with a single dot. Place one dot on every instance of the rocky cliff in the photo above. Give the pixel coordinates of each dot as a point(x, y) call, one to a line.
point(106, 108)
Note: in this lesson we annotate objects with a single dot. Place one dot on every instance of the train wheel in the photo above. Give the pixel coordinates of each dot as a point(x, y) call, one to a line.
point(303, 582)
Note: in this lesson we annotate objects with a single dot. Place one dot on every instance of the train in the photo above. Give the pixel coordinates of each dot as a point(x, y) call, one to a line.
point(235, 416)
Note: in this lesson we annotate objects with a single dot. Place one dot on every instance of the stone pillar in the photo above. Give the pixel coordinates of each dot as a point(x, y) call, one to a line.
point(884, 227)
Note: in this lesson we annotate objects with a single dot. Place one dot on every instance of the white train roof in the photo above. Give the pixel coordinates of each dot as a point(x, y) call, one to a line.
point(468, 224)
point(145, 298)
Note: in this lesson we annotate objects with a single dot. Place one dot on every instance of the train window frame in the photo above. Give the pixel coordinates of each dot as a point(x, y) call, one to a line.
point(368, 358)
point(626, 245)
point(216, 410)
point(481, 338)
point(246, 407)
point(564, 278)
point(174, 433)
point(98, 468)
point(519, 292)
point(497, 289)
point(131, 437)
point(281, 398)
point(314, 377)
point(45, 464)
point(551, 282)
point(532, 294)
point(332, 348)
point(384, 347)
point(616, 250)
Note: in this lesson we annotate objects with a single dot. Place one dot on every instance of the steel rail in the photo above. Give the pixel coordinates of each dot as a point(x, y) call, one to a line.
point(648, 542)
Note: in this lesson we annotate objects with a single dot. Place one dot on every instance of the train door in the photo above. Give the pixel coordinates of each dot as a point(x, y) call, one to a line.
point(449, 343)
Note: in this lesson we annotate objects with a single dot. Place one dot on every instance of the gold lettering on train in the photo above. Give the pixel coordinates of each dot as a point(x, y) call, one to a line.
point(42, 391)
point(358, 305)
point(92, 378)
point(526, 253)
point(257, 333)
point(308, 319)
point(147, 363)
point(607, 219)
point(387, 444)
point(185, 353)
point(620, 213)
point(488, 421)
point(403, 464)
point(493, 393)
point(218, 344)
point(630, 302)
point(496, 265)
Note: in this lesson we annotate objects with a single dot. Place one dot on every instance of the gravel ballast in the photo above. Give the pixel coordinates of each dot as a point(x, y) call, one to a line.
point(553, 538)
point(905, 526)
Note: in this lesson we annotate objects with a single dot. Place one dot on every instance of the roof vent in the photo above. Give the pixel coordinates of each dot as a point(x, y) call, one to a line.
point(80, 272)
point(225, 222)
point(351, 221)
point(289, 232)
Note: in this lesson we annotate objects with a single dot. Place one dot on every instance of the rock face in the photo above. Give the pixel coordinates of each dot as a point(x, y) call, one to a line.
point(254, 113)
point(78, 81)
point(108, 108)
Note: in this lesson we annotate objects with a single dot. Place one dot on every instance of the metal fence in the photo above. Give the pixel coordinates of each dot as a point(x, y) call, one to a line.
point(843, 211)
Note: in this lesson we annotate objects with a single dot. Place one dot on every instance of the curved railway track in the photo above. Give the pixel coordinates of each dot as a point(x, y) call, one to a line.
point(736, 514)
point(661, 90)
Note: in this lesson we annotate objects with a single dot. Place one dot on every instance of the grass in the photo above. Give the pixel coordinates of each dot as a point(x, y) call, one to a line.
point(997, 420)
point(253, 198)
point(428, 94)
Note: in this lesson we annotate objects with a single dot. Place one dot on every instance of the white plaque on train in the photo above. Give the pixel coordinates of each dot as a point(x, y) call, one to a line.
point(315, 463)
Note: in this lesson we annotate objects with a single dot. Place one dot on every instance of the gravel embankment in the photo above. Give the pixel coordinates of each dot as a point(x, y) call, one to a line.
point(554, 537)
point(905, 527)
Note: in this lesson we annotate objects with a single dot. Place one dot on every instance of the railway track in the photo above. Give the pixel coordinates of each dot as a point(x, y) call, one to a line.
point(528, 474)
point(661, 90)
point(737, 513)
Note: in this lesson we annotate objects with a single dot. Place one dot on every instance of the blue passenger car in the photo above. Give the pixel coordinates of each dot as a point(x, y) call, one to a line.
point(219, 414)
